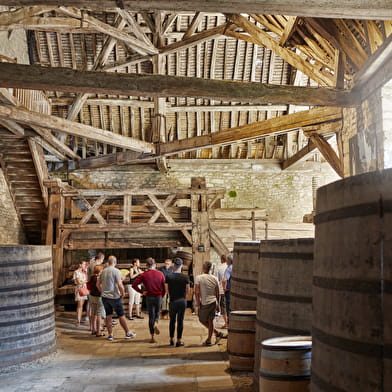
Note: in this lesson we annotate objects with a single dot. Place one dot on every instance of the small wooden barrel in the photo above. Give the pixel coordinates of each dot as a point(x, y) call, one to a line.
point(241, 339)
point(285, 364)
point(243, 294)
point(284, 295)
point(352, 285)
point(27, 317)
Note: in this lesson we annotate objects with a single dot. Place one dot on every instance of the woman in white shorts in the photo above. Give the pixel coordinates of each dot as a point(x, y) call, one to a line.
point(134, 296)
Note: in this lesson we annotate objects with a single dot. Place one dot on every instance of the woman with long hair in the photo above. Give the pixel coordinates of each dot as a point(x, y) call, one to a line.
point(80, 280)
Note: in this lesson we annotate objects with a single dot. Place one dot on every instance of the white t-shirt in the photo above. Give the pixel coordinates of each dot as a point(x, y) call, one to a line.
point(207, 285)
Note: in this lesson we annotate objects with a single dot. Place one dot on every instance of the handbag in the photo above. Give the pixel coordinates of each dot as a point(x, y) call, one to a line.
point(83, 291)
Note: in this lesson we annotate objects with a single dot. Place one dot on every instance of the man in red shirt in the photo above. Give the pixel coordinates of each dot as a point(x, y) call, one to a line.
point(153, 288)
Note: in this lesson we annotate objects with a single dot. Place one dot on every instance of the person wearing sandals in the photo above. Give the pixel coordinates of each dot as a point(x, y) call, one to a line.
point(134, 296)
point(207, 300)
point(97, 309)
point(80, 280)
point(177, 287)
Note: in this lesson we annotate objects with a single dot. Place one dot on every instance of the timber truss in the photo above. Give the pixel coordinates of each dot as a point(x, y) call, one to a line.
point(131, 218)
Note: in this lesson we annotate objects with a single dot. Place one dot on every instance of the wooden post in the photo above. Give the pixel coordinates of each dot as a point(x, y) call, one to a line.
point(200, 228)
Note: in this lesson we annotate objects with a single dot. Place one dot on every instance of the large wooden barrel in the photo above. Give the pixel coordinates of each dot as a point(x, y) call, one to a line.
point(284, 295)
point(352, 285)
point(285, 364)
point(27, 317)
point(243, 294)
point(241, 340)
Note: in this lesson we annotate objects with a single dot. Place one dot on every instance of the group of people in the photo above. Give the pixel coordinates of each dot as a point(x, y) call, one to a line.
point(165, 290)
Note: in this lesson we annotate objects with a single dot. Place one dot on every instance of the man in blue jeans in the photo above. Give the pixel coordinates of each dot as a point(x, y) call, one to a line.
point(112, 290)
point(177, 285)
point(153, 282)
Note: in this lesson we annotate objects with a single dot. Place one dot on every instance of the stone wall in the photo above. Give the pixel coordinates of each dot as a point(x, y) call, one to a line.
point(11, 232)
point(286, 195)
point(387, 123)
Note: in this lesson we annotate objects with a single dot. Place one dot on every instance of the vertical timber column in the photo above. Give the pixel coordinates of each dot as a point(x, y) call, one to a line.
point(53, 237)
point(200, 232)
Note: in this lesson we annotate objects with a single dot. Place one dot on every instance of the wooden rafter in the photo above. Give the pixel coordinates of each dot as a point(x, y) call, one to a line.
point(31, 118)
point(264, 39)
point(252, 131)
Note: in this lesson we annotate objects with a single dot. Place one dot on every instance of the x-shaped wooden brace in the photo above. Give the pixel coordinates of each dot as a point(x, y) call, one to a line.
point(161, 210)
point(93, 210)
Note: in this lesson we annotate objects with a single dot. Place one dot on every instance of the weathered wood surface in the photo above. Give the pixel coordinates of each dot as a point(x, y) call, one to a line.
point(70, 80)
point(254, 130)
point(362, 9)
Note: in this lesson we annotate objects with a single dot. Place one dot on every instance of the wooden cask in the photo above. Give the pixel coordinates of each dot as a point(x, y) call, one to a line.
point(284, 295)
point(243, 294)
point(352, 285)
point(285, 364)
point(241, 340)
point(27, 314)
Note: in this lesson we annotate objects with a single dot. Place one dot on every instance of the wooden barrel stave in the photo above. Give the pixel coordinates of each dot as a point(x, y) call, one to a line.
point(284, 294)
point(241, 340)
point(351, 285)
point(27, 326)
point(243, 295)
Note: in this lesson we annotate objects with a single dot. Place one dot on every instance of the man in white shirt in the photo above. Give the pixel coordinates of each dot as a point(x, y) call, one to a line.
point(207, 299)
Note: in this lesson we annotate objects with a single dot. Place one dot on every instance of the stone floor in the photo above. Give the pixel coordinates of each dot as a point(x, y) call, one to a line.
point(86, 363)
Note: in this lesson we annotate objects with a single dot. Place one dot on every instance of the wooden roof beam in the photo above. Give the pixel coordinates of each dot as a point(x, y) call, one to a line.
point(375, 72)
point(252, 131)
point(31, 118)
point(360, 9)
point(70, 80)
point(328, 153)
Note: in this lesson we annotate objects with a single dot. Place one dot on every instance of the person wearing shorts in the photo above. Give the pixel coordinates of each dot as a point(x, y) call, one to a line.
point(207, 299)
point(112, 291)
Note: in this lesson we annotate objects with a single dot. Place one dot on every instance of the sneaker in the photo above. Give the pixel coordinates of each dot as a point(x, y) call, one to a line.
point(130, 335)
point(110, 337)
point(179, 344)
point(139, 317)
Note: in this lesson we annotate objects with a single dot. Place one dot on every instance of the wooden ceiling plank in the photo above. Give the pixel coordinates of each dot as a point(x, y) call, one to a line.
point(28, 117)
point(169, 19)
point(289, 56)
point(68, 80)
point(253, 131)
point(99, 62)
point(375, 37)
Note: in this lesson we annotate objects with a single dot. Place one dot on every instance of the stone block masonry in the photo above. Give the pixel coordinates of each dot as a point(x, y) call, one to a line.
point(286, 195)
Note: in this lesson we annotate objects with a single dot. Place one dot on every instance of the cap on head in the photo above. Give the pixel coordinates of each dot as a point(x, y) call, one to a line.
point(177, 261)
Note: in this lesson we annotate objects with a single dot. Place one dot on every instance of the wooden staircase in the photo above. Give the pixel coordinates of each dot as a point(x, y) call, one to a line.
point(19, 170)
